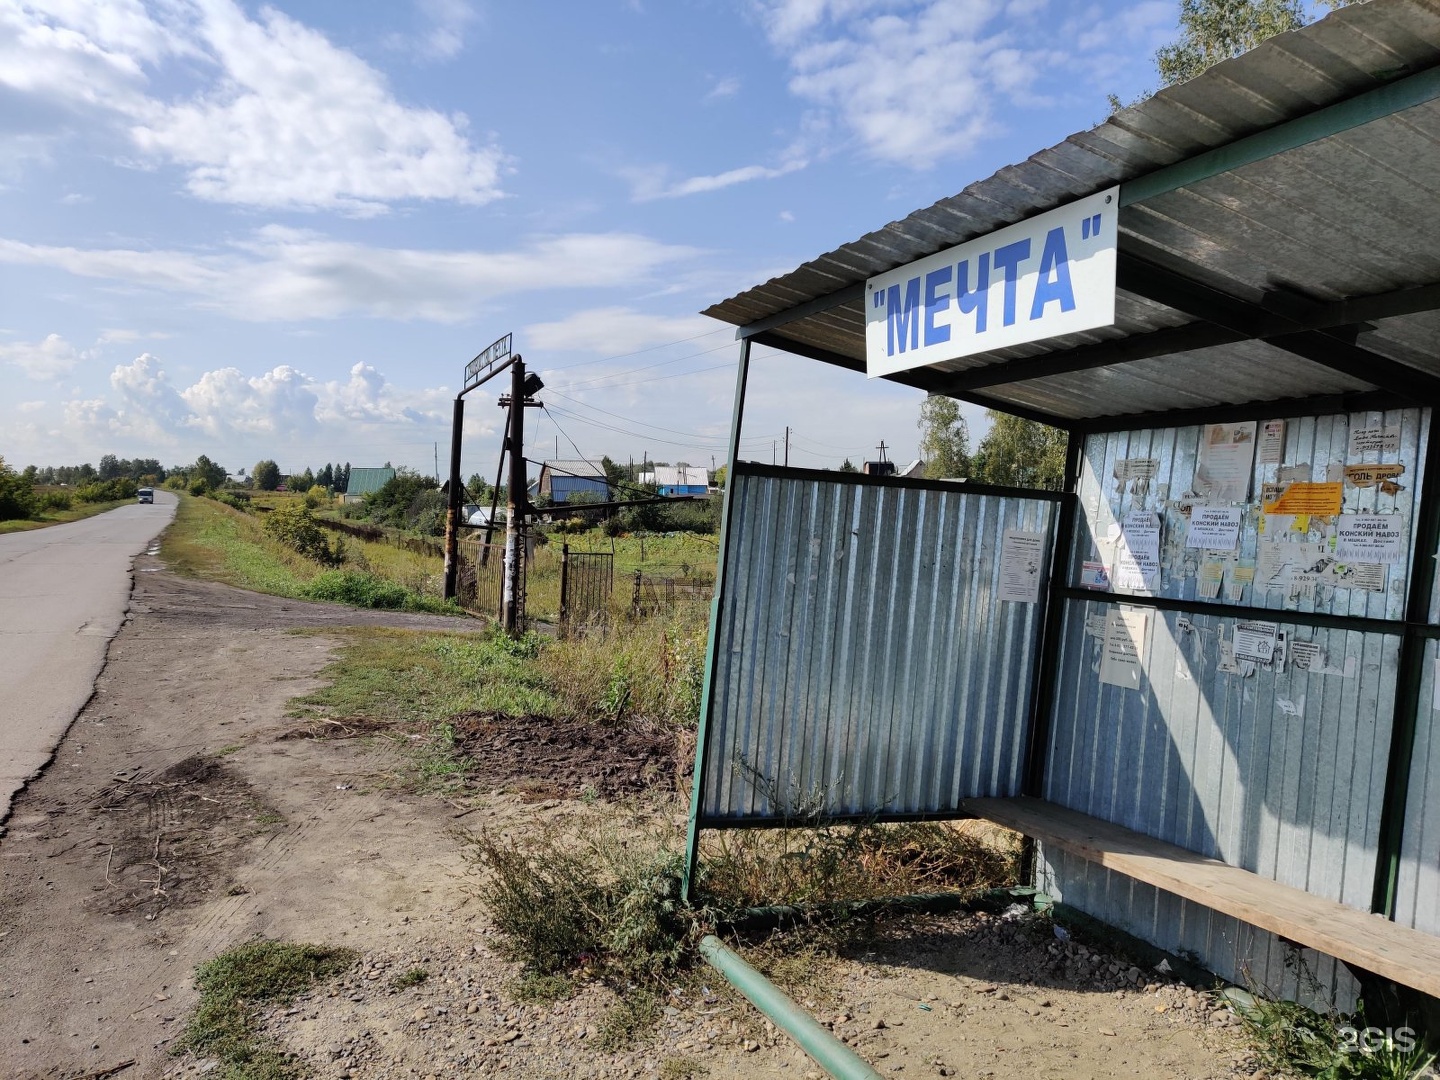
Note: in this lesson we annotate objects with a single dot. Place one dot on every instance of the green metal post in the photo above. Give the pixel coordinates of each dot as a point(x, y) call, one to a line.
point(828, 1052)
point(692, 847)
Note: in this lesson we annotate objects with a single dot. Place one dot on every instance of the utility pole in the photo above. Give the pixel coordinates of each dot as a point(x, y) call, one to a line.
point(437, 461)
point(881, 448)
point(787, 446)
point(515, 503)
point(772, 451)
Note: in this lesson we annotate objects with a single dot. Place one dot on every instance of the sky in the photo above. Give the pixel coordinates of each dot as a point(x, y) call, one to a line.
point(281, 231)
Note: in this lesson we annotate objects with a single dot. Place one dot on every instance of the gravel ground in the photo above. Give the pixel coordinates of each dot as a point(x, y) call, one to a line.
point(909, 1000)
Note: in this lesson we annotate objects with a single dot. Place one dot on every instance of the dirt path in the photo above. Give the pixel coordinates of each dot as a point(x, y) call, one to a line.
point(177, 821)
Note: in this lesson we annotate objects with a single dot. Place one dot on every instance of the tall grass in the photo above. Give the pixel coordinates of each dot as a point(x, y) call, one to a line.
point(647, 669)
point(219, 543)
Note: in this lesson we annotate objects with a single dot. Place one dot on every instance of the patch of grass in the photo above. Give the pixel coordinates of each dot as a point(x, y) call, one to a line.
point(651, 669)
point(426, 677)
point(605, 905)
point(414, 977)
point(683, 1068)
point(218, 543)
point(749, 867)
point(631, 1020)
point(537, 989)
point(235, 985)
point(1298, 1041)
point(46, 518)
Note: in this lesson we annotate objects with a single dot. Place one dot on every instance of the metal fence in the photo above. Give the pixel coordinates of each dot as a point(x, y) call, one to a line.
point(651, 594)
point(864, 661)
point(480, 584)
point(587, 580)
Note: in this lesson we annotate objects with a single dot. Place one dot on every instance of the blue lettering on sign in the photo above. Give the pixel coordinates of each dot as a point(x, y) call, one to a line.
point(919, 302)
point(936, 303)
point(978, 299)
point(1053, 284)
point(1009, 258)
point(903, 321)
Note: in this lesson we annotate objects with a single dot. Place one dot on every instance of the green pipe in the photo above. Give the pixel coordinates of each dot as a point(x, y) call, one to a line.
point(829, 1053)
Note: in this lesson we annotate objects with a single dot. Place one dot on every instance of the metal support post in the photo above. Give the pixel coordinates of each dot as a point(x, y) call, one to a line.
point(697, 792)
point(452, 504)
point(515, 504)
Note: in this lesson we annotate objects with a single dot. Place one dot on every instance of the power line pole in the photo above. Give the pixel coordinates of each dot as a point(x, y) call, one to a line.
point(787, 446)
point(513, 604)
point(881, 448)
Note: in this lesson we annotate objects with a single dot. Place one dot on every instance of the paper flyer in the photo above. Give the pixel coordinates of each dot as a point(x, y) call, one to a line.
point(1137, 552)
point(1226, 460)
point(1214, 527)
point(1371, 538)
point(1272, 442)
point(1255, 641)
point(1308, 498)
point(1021, 557)
point(1124, 649)
point(1375, 440)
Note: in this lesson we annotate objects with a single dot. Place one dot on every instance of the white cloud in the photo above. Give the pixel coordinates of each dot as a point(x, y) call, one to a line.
point(913, 80)
point(443, 34)
point(243, 414)
point(614, 330)
point(288, 274)
point(654, 183)
point(283, 118)
point(726, 87)
point(44, 360)
point(30, 406)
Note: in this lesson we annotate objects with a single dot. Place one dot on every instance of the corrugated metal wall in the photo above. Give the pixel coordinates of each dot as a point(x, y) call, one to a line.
point(1282, 772)
point(1417, 901)
point(864, 664)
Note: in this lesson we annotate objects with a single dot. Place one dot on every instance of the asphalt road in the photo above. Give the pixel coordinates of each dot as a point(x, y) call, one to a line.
point(63, 595)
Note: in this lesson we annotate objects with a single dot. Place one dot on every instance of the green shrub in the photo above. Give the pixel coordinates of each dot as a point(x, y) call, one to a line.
point(199, 487)
point(295, 527)
point(17, 494)
point(357, 588)
point(232, 499)
point(122, 487)
point(316, 497)
point(54, 500)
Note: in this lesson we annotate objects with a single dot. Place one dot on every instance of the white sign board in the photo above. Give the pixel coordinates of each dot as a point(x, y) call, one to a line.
point(1021, 558)
point(1052, 274)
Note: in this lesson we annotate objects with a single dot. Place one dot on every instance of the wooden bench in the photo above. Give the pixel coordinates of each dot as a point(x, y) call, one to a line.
point(1371, 942)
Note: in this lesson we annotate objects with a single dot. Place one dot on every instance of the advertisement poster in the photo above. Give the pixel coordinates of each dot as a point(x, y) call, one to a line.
point(1214, 527)
point(1137, 552)
point(1227, 458)
point(1375, 440)
point(1307, 498)
point(1255, 641)
point(1272, 442)
point(1371, 538)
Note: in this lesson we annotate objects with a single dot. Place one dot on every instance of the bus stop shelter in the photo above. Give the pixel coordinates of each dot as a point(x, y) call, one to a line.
point(1203, 675)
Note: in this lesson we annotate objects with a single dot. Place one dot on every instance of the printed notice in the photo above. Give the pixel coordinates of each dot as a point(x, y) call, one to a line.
point(1367, 577)
point(1124, 655)
point(1308, 655)
point(1364, 476)
point(1374, 440)
point(1272, 442)
point(1227, 458)
point(1021, 554)
point(1214, 527)
point(1370, 538)
point(1136, 468)
point(1094, 575)
point(1255, 641)
point(1137, 552)
point(1308, 498)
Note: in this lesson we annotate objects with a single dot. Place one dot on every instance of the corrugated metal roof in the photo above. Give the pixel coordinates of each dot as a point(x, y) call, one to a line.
point(1346, 215)
point(575, 467)
point(364, 481)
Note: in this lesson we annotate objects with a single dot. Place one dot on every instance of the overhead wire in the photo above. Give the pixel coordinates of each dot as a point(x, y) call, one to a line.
point(639, 352)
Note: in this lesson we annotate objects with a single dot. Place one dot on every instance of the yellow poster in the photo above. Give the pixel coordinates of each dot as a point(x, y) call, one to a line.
point(1307, 498)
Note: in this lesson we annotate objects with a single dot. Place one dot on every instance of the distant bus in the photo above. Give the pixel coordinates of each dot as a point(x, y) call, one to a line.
point(145, 495)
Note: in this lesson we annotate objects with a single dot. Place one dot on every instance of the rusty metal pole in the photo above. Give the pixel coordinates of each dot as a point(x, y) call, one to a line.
point(511, 604)
point(564, 587)
point(452, 504)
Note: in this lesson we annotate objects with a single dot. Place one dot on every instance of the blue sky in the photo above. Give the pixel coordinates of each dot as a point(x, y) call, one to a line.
point(281, 231)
